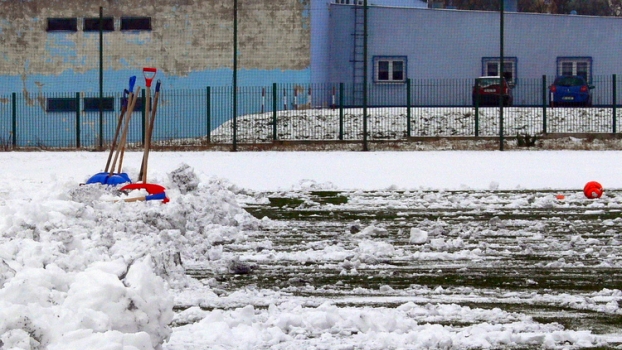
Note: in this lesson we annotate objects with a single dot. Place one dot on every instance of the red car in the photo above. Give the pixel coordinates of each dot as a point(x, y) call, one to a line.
point(486, 90)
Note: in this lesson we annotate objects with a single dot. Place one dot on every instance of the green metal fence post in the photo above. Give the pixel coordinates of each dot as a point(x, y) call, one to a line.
point(341, 111)
point(274, 97)
point(77, 120)
point(614, 103)
point(365, 87)
point(544, 104)
point(408, 105)
point(235, 76)
point(142, 113)
point(14, 119)
point(101, 78)
point(502, 76)
point(477, 99)
point(208, 104)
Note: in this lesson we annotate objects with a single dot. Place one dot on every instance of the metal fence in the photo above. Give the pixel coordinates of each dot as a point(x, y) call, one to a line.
point(298, 112)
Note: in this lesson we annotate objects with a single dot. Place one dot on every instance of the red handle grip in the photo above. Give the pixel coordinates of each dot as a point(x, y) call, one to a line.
point(149, 73)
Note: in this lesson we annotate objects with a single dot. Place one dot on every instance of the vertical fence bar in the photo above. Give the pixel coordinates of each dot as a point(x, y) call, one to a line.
point(477, 101)
point(208, 113)
point(614, 102)
point(295, 107)
point(544, 104)
point(235, 75)
point(274, 104)
point(263, 100)
point(341, 111)
point(408, 105)
point(365, 87)
point(14, 118)
point(77, 120)
point(101, 78)
point(501, 75)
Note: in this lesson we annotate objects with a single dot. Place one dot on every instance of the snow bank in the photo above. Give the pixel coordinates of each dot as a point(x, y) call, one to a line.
point(79, 268)
point(291, 326)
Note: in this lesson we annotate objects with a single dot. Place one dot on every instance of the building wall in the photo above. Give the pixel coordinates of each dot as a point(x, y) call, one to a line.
point(191, 44)
point(450, 44)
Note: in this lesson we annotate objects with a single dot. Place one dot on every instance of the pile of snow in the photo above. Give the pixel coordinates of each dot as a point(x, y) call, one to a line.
point(390, 123)
point(79, 268)
point(410, 326)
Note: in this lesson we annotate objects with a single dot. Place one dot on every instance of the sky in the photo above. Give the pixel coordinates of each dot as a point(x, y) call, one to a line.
point(82, 269)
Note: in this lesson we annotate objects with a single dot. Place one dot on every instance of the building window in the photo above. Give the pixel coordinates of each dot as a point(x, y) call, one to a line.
point(62, 25)
point(390, 69)
point(491, 66)
point(92, 24)
point(581, 66)
point(62, 105)
point(350, 2)
point(135, 23)
point(91, 104)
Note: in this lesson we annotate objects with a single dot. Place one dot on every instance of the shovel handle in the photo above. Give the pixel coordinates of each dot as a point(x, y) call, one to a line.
point(124, 99)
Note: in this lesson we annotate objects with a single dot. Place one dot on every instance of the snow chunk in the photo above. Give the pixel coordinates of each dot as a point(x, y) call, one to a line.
point(418, 236)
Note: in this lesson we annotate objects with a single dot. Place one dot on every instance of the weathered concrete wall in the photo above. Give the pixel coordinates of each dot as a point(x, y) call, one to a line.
point(187, 36)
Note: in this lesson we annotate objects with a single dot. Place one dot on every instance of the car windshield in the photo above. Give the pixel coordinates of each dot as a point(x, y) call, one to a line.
point(485, 82)
point(569, 81)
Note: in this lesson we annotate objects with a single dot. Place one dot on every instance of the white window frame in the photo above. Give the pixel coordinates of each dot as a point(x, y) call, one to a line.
point(574, 61)
point(391, 61)
point(511, 61)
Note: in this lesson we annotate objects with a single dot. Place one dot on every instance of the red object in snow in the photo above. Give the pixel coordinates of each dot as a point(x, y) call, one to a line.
point(593, 190)
point(156, 192)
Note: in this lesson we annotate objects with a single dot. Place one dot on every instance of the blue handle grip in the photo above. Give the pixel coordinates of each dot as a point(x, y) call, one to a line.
point(158, 86)
point(124, 99)
point(157, 196)
point(132, 82)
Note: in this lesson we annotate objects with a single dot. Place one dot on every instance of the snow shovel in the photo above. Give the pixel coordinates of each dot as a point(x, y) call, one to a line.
point(142, 175)
point(156, 192)
point(122, 142)
point(106, 177)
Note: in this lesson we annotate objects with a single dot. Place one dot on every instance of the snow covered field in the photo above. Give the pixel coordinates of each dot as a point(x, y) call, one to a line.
point(79, 269)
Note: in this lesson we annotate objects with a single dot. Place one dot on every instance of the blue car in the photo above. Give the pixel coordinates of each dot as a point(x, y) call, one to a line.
point(570, 90)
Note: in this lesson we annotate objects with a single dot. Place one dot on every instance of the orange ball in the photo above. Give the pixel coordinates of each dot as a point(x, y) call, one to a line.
point(593, 190)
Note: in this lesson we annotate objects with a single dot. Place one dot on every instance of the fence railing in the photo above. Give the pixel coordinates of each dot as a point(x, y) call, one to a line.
point(295, 112)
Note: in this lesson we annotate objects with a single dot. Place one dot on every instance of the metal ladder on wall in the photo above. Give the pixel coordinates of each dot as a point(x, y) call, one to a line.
point(358, 57)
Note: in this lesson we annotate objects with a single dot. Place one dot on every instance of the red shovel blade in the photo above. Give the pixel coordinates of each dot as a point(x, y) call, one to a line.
point(150, 188)
point(156, 192)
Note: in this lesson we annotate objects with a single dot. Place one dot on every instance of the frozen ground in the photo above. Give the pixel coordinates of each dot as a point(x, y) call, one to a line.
point(336, 250)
